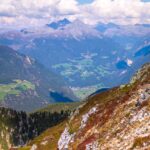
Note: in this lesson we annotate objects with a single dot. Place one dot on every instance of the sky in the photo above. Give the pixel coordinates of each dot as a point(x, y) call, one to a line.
point(146, 0)
point(84, 1)
point(23, 13)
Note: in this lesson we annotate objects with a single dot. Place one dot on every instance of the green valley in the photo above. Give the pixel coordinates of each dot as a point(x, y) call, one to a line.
point(83, 92)
point(82, 67)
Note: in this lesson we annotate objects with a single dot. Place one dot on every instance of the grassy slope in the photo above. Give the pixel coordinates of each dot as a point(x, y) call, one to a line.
point(107, 103)
point(15, 88)
point(52, 135)
point(74, 125)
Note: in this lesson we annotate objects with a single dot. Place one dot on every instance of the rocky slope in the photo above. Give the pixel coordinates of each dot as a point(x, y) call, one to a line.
point(117, 119)
point(26, 85)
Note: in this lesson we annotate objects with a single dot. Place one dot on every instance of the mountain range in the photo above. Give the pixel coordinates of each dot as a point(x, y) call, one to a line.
point(75, 86)
point(87, 57)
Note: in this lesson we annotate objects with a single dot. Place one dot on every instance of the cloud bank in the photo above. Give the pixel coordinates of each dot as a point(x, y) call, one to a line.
point(39, 12)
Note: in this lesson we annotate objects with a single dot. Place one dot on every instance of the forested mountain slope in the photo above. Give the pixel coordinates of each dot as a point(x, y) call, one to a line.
point(26, 85)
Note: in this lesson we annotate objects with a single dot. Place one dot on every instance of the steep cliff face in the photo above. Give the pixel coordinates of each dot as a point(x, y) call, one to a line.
point(116, 119)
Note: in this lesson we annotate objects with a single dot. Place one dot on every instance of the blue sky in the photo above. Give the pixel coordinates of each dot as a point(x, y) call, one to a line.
point(89, 1)
point(146, 0)
point(85, 1)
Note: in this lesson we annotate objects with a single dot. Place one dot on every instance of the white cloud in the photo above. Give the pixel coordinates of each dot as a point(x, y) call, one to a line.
point(68, 6)
point(29, 12)
point(117, 11)
point(19, 12)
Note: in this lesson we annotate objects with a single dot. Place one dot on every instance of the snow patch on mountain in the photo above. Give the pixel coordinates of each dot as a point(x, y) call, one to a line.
point(129, 62)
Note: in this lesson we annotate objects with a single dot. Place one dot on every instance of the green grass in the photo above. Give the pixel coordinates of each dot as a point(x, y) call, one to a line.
point(15, 88)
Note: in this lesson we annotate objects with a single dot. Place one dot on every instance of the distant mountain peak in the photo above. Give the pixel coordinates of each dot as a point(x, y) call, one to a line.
point(144, 25)
point(102, 27)
point(79, 29)
point(59, 24)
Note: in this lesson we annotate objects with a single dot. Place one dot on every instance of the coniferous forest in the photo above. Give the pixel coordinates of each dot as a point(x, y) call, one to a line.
point(21, 127)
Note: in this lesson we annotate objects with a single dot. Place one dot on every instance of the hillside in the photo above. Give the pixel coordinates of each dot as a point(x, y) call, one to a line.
point(17, 127)
point(24, 82)
point(115, 119)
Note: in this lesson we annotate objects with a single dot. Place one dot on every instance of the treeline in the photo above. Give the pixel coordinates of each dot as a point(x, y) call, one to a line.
point(22, 126)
